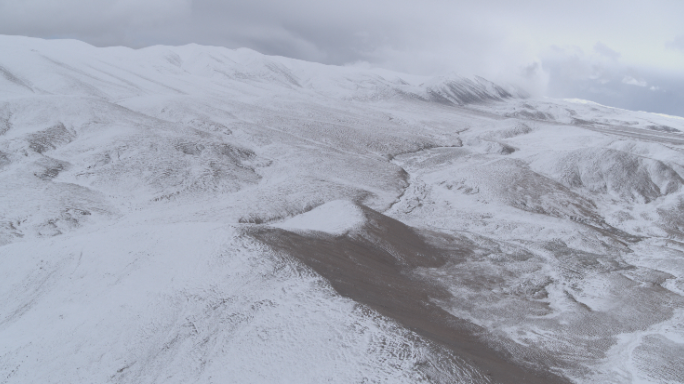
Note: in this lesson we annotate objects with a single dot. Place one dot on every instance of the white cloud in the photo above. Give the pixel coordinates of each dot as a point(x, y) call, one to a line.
point(629, 80)
point(606, 51)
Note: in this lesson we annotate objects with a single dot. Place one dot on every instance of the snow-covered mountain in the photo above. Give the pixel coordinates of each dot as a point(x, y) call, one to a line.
point(200, 214)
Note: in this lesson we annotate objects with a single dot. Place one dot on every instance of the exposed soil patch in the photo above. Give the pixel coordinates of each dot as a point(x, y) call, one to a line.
point(375, 265)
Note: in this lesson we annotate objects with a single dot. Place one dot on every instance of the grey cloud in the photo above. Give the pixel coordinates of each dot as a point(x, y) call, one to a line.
point(425, 37)
point(592, 76)
point(531, 70)
point(378, 31)
point(677, 43)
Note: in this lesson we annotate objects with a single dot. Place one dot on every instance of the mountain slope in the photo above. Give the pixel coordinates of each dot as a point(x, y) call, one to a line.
point(176, 214)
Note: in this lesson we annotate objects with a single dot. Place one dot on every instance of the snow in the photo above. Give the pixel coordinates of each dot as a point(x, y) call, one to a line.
point(183, 302)
point(134, 183)
point(335, 217)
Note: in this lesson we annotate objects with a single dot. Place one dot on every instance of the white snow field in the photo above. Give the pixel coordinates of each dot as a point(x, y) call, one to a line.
point(204, 215)
point(335, 217)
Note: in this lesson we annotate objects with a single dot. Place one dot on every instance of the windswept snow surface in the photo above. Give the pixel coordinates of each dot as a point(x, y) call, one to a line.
point(200, 214)
point(336, 218)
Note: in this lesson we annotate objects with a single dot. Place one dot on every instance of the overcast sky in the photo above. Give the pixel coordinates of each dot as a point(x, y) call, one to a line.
point(622, 53)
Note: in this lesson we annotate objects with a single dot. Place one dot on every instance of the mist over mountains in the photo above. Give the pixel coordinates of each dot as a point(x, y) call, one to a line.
point(202, 214)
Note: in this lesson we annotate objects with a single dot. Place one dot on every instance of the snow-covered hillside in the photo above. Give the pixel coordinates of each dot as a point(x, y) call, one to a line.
point(200, 214)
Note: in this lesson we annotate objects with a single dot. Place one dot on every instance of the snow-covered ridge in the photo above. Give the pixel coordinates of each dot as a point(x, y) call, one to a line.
point(462, 91)
point(118, 72)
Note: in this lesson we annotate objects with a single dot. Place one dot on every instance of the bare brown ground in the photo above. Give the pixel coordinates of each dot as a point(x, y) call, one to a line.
point(374, 265)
